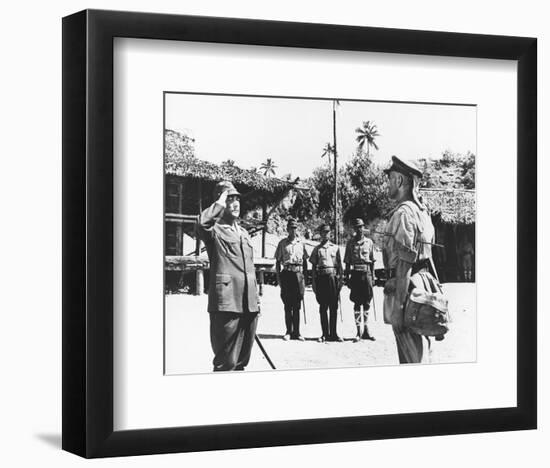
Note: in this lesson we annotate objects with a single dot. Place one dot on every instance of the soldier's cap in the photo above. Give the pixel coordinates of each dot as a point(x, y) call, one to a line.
point(292, 223)
point(358, 222)
point(324, 228)
point(222, 187)
point(408, 167)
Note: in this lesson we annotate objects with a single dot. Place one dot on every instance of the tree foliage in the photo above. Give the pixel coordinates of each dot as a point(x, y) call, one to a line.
point(452, 171)
point(328, 150)
point(178, 146)
point(368, 191)
point(363, 189)
point(366, 135)
point(268, 168)
point(469, 171)
point(362, 193)
point(180, 160)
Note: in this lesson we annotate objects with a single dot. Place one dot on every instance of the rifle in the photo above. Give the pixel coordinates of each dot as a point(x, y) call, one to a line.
point(304, 304)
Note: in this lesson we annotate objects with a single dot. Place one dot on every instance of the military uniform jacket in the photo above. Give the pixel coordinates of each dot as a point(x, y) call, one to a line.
point(291, 252)
point(232, 285)
point(326, 256)
point(408, 235)
point(359, 252)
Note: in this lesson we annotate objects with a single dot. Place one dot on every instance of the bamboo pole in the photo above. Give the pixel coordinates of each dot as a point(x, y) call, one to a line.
point(264, 230)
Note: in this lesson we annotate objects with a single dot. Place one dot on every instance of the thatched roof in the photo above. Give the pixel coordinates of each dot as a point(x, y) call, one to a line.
point(194, 168)
point(453, 206)
point(198, 178)
point(253, 194)
point(190, 184)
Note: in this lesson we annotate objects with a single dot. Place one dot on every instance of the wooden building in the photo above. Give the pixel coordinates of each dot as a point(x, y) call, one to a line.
point(189, 187)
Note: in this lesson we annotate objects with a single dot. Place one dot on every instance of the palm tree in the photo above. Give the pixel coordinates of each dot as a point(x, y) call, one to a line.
point(327, 151)
point(367, 134)
point(268, 167)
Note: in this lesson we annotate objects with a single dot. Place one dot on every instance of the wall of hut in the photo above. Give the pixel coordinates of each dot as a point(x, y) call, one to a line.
point(453, 215)
point(448, 259)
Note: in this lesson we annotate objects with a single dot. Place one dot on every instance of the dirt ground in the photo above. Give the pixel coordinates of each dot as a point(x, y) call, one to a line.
point(187, 341)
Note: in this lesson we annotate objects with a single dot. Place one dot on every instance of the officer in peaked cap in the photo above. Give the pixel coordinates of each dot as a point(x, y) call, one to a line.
point(326, 282)
point(232, 294)
point(291, 265)
point(359, 260)
point(408, 239)
point(411, 170)
point(407, 167)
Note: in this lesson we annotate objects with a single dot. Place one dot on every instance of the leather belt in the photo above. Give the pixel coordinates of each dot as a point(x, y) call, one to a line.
point(422, 265)
point(361, 267)
point(293, 268)
point(326, 270)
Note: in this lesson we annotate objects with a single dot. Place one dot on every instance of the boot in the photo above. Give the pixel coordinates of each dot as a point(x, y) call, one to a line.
point(358, 336)
point(367, 335)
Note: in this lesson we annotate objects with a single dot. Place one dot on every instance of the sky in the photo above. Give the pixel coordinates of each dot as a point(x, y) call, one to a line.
point(293, 132)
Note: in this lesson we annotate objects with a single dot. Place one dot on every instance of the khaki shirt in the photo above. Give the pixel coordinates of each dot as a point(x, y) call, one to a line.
point(408, 235)
point(359, 252)
point(326, 255)
point(291, 252)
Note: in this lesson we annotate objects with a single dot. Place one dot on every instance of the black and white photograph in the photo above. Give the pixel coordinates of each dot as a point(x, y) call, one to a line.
point(317, 233)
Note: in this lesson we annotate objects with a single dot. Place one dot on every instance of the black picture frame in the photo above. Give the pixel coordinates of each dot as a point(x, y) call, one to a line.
point(88, 232)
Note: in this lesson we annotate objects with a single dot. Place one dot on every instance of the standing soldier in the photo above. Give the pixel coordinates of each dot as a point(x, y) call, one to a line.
point(326, 282)
point(466, 252)
point(359, 258)
point(232, 295)
point(291, 255)
point(407, 251)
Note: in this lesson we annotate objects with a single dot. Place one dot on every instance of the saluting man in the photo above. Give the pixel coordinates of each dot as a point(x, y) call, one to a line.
point(359, 259)
point(232, 293)
point(326, 282)
point(291, 258)
point(408, 240)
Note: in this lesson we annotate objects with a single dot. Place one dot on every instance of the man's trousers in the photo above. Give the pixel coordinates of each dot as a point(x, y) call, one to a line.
point(232, 337)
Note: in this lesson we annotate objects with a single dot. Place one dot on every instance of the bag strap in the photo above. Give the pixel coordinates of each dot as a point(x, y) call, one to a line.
point(434, 271)
point(408, 205)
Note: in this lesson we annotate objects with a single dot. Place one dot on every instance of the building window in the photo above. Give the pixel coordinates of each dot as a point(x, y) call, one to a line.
point(173, 198)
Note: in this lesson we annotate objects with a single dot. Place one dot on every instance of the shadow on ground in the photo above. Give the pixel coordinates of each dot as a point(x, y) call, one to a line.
point(267, 336)
point(53, 440)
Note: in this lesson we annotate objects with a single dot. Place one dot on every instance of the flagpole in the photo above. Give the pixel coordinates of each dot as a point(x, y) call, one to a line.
point(336, 224)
